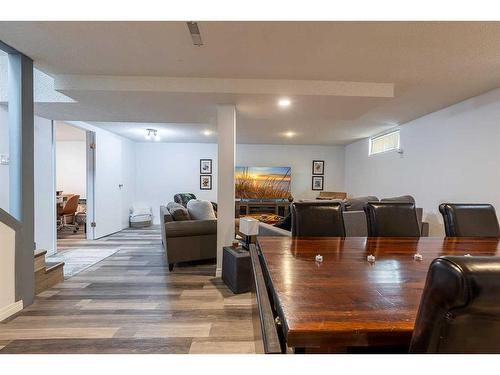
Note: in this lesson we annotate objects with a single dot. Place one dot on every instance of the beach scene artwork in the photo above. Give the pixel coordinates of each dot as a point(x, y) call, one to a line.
point(263, 182)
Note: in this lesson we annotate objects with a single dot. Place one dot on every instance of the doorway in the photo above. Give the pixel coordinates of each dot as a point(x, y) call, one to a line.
point(71, 182)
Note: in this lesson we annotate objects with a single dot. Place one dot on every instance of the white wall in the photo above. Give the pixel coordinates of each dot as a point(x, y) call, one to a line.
point(164, 169)
point(449, 155)
point(71, 170)
point(45, 215)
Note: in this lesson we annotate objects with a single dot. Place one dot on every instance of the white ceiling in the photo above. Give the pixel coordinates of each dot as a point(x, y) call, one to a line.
point(430, 64)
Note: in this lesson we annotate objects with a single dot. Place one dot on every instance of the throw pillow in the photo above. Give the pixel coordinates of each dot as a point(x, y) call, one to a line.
point(178, 211)
point(200, 210)
point(183, 198)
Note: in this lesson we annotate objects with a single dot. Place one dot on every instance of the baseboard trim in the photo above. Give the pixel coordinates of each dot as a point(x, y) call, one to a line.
point(10, 310)
point(218, 272)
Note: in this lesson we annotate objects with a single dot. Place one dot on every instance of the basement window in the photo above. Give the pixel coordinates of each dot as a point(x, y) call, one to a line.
point(384, 143)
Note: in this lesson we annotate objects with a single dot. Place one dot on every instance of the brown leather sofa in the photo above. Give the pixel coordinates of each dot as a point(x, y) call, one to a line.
point(187, 240)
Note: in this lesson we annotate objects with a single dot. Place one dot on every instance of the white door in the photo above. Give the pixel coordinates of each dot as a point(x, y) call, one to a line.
point(107, 185)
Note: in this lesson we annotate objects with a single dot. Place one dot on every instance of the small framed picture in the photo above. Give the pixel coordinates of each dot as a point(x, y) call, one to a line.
point(317, 182)
point(318, 167)
point(206, 182)
point(205, 166)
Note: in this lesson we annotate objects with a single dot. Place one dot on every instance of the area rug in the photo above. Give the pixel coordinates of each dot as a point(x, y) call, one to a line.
point(79, 259)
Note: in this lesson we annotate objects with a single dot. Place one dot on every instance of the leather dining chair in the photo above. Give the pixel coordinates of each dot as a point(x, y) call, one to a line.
point(444, 214)
point(469, 220)
point(391, 219)
point(460, 307)
point(317, 219)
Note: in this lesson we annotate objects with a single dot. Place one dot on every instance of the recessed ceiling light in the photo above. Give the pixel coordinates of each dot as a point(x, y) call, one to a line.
point(207, 132)
point(284, 102)
point(290, 134)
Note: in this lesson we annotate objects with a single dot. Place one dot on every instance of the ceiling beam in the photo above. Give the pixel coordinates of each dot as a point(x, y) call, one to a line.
point(66, 83)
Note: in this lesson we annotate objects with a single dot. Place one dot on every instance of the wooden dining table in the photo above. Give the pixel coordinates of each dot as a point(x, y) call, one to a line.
point(346, 303)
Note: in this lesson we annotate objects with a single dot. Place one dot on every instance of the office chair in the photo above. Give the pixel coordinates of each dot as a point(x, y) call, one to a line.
point(67, 216)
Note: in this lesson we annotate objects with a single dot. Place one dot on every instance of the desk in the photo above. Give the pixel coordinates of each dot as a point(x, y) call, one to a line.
point(346, 302)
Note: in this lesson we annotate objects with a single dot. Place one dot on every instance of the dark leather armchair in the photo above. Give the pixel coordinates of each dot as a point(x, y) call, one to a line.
point(317, 219)
point(460, 307)
point(469, 220)
point(391, 219)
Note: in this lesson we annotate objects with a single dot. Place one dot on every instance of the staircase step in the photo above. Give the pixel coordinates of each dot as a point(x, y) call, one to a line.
point(39, 253)
point(40, 259)
point(51, 266)
point(50, 275)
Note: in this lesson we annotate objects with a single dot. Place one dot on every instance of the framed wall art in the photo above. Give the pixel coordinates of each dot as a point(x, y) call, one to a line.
point(206, 182)
point(317, 182)
point(205, 166)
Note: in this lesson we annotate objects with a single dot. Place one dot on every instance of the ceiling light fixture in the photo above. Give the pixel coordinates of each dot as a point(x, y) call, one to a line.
point(152, 133)
point(290, 134)
point(195, 33)
point(207, 132)
point(284, 102)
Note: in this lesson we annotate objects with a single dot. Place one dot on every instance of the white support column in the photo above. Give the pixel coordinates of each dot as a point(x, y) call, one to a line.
point(226, 150)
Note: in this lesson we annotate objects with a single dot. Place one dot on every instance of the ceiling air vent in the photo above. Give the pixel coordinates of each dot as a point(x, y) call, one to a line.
point(195, 33)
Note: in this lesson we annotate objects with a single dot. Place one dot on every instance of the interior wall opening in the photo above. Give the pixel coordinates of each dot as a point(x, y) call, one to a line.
point(71, 182)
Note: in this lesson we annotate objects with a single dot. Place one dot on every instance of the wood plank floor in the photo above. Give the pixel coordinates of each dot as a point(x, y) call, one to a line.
point(131, 303)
